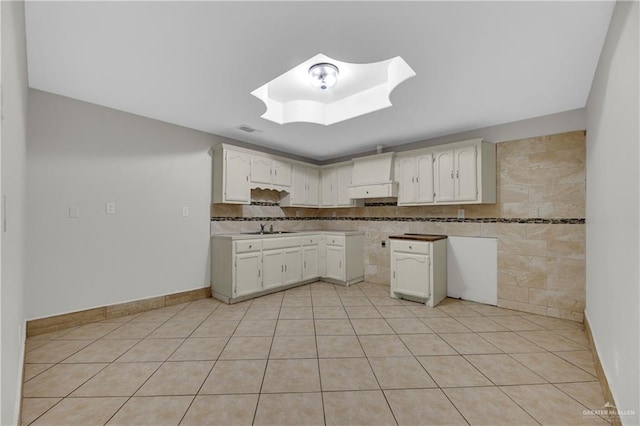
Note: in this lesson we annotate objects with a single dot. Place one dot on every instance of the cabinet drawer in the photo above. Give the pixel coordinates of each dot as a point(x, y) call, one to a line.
point(248, 246)
point(333, 240)
point(279, 243)
point(310, 240)
point(374, 191)
point(411, 246)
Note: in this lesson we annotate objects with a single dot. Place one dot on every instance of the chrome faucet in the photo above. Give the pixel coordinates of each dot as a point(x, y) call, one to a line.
point(262, 228)
point(271, 228)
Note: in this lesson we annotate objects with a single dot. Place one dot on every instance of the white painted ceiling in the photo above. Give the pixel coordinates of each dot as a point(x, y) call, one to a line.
point(478, 64)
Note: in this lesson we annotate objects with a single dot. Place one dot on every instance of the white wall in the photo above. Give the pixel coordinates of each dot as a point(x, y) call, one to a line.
point(613, 213)
point(14, 105)
point(83, 155)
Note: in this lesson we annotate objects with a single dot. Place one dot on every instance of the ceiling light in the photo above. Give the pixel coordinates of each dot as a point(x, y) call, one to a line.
point(324, 75)
point(363, 88)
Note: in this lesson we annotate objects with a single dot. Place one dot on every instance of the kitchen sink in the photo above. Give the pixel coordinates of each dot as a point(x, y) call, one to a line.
point(268, 232)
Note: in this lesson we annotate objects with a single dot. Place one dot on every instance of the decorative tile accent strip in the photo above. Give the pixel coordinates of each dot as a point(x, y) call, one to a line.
point(265, 203)
point(408, 219)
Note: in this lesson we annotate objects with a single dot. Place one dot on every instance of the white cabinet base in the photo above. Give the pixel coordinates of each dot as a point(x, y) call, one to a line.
point(231, 300)
point(419, 270)
point(282, 262)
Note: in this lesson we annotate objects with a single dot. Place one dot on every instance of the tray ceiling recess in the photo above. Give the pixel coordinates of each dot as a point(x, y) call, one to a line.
point(325, 91)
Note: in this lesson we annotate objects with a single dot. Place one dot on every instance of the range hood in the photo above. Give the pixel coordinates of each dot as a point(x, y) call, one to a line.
point(373, 177)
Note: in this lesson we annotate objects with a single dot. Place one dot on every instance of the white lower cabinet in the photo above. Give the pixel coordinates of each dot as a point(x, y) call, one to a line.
point(246, 268)
point(248, 274)
point(310, 257)
point(273, 266)
point(335, 258)
point(419, 269)
point(292, 266)
point(344, 261)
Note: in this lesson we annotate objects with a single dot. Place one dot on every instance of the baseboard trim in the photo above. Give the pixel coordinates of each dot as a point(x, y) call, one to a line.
point(73, 319)
point(602, 378)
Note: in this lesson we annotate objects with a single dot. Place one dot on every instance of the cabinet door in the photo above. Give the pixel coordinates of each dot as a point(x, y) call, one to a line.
point(443, 176)
point(466, 174)
point(248, 274)
point(236, 177)
point(344, 176)
point(292, 265)
point(313, 187)
point(335, 266)
point(310, 256)
point(327, 183)
point(260, 169)
point(272, 269)
point(299, 185)
point(424, 178)
point(406, 175)
point(281, 173)
point(410, 274)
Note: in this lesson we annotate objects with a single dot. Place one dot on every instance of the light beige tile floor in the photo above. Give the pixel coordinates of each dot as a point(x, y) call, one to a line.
point(316, 354)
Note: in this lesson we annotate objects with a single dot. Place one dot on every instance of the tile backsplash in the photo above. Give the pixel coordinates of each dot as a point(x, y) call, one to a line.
point(538, 220)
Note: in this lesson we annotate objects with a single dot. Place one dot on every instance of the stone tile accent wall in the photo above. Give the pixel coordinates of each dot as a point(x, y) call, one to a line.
point(541, 266)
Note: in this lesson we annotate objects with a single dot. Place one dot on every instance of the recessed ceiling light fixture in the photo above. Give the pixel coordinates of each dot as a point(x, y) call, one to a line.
point(363, 88)
point(324, 75)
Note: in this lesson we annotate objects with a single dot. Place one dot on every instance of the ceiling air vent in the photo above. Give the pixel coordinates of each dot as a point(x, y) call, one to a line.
point(247, 129)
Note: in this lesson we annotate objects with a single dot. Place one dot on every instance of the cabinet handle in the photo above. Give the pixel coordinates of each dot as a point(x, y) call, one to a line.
point(410, 248)
point(417, 179)
point(305, 264)
point(250, 246)
point(341, 264)
point(451, 174)
point(258, 272)
point(247, 178)
point(457, 173)
point(412, 179)
point(394, 274)
point(281, 268)
point(285, 268)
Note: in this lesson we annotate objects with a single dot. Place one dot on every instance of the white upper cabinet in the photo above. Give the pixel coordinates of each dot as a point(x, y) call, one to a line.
point(466, 180)
point(335, 182)
point(328, 180)
point(305, 187)
point(444, 176)
point(415, 177)
point(457, 173)
point(260, 170)
point(268, 172)
point(281, 173)
point(231, 171)
point(344, 174)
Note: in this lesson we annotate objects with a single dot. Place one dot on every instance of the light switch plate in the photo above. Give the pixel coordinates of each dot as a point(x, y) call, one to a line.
point(185, 211)
point(110, 208)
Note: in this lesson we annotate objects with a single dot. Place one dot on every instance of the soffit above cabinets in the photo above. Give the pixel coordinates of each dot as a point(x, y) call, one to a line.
point(194, 64)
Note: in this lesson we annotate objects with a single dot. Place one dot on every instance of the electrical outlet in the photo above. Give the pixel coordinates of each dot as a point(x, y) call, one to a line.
point(74, 212)
point(110, 208)
point(185, 211)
